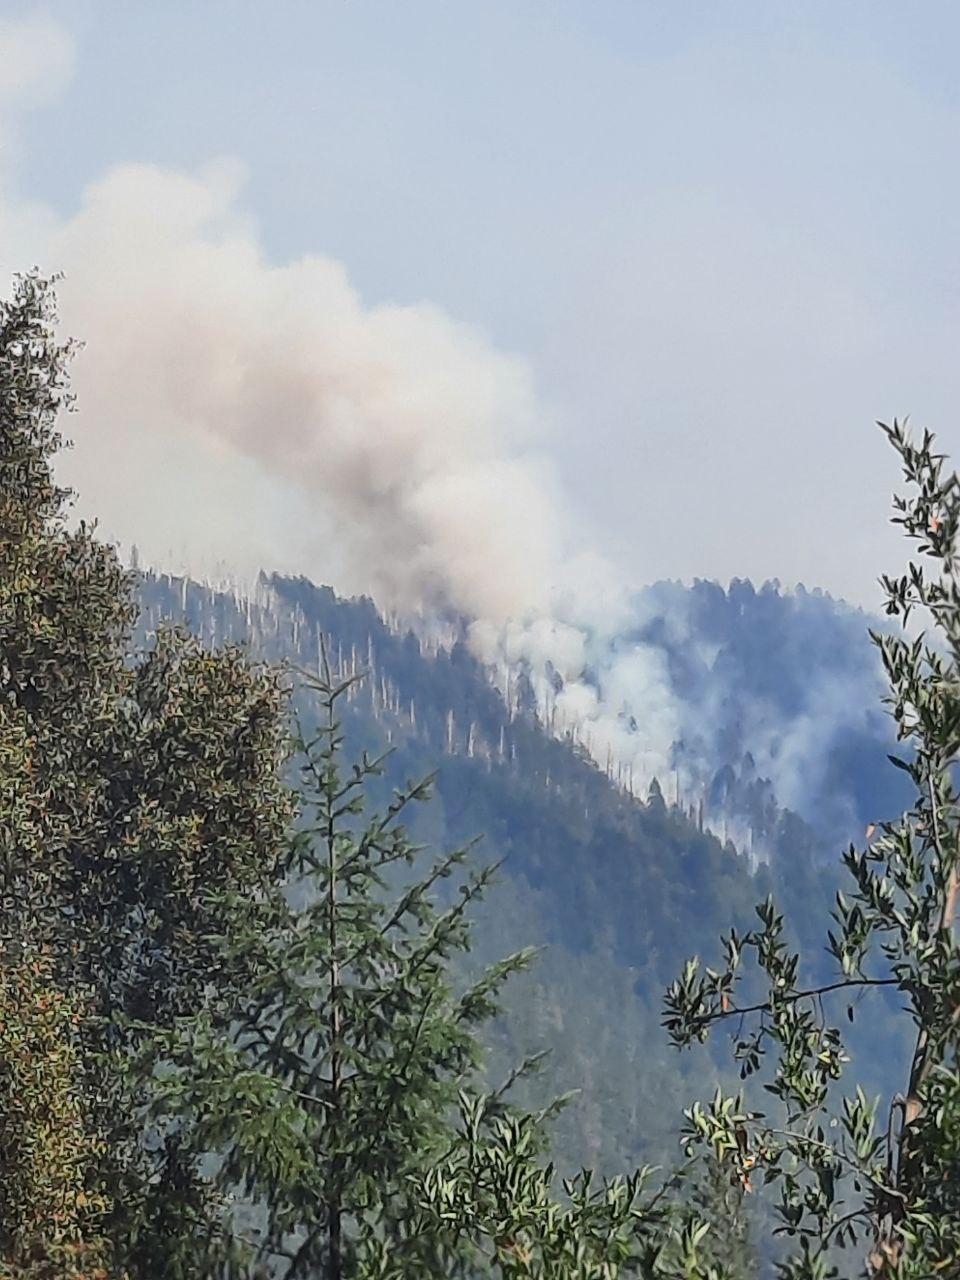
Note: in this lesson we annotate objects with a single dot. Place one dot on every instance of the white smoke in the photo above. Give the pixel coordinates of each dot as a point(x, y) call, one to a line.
point(402, 438)
point(235, 414)
point(240, 414)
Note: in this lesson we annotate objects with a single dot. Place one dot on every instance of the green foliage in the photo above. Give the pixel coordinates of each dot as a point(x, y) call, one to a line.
point(340, 1088)
point(130, 792)
point(494, 1189)
point(851, 1174)
point(611, 888)
point(716, 1200)
point(329, 1081)
point(50, 1215)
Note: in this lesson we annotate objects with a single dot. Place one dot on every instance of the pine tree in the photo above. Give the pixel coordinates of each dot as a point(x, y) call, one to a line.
point(342, 1092)
point(346, 1049)
point(879, 1180)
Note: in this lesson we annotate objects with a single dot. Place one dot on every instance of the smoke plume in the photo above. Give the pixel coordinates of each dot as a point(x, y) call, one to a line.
point(235, 414)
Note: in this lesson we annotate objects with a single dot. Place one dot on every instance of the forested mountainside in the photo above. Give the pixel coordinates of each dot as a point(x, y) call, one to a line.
point(619, 891)
point(779, 699)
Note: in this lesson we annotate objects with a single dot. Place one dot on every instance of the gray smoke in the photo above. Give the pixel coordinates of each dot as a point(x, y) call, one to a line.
point(235, 415)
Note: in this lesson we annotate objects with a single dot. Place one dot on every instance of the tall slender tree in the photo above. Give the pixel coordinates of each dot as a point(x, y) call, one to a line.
point(346, 1048)
point(342, 1089)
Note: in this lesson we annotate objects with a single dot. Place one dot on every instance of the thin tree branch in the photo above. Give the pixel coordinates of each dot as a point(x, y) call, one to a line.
point(735, 1011)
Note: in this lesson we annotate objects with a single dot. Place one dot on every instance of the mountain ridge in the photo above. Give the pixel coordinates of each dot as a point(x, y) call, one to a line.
point(618, 890)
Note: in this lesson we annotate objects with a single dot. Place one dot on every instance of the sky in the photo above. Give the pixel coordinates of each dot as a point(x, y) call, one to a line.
point(640, 275)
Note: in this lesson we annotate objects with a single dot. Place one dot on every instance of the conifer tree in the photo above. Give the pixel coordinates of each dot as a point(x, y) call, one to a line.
point(342, 1091)
point(879, 1181)
point(347, 1046)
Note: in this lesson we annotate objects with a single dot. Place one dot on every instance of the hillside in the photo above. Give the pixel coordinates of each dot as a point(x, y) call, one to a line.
point(617, 890)
point(783, 687)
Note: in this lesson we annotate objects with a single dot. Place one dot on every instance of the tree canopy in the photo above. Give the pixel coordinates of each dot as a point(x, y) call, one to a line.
point(238, 1033)
point(133, 789)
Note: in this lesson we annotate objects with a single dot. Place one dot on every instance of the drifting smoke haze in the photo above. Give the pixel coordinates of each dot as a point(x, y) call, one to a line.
point(237, 415)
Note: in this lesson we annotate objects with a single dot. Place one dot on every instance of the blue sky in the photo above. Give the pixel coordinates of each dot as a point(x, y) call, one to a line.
point(720, 238)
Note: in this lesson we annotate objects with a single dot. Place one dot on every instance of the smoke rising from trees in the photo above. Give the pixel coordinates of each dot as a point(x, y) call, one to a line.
point(238, 415)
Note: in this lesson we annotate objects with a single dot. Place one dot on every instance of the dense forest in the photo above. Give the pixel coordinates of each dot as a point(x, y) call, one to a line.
point(268, 1009)
point(617, 889)
point(779, 686)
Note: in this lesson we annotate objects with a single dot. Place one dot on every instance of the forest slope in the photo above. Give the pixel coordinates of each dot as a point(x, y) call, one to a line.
point(619, 891)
